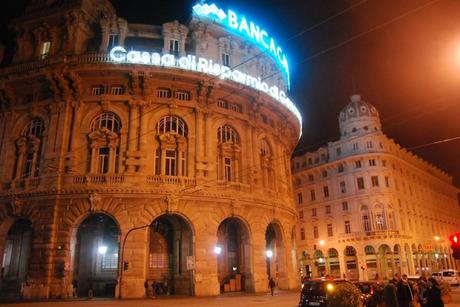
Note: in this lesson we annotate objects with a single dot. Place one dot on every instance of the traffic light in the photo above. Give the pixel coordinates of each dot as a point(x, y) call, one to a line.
point(125, 266)
point(455, 245)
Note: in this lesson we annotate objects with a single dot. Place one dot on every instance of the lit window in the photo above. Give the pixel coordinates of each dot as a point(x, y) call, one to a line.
point(45, 51)
point(225, 59)
point(109, 261)
point(182, 95)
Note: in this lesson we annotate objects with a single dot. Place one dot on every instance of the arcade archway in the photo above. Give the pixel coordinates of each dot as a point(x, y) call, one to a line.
point(234, 261)
point(170, 262)
point(96, 256)
point(15, 260)
point(275, 253)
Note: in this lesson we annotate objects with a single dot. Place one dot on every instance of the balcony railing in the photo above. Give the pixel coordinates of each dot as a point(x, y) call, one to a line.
point(173, 180)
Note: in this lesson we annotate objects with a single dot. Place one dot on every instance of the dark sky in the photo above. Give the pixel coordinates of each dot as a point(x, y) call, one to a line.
point(406, 64)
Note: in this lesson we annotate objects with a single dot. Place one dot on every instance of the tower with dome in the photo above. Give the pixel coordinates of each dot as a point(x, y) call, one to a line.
point(368, 208)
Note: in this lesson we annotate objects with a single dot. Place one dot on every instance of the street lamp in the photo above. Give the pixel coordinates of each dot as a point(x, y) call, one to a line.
point(321, 242)
point(102, 249)
point(269, 253)
point(217, 250)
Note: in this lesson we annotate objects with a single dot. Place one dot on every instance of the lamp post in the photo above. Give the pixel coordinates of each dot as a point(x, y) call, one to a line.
point(121, 266)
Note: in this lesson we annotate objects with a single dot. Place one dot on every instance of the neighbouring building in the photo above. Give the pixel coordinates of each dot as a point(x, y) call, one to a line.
point(368, 208)
point(135, 155)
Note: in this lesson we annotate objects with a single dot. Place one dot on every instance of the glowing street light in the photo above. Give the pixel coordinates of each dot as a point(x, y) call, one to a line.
point(321, 242)
point(217, 250)
point(102, 249)
point(436, 238)
point(269, 253)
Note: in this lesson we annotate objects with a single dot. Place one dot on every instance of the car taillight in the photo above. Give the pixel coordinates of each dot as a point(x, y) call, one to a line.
point(372, 290)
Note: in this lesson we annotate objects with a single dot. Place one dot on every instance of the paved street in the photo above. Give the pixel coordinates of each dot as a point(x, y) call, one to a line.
point(284, 298)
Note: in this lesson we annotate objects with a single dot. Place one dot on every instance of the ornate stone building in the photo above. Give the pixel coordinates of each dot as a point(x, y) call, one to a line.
point(368, 208)
point(116, 169)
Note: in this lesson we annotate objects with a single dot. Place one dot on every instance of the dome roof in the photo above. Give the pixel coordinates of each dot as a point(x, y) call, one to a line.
point(357, 108)
point(358, 117)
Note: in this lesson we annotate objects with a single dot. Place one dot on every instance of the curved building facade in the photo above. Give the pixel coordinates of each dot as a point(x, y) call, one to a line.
point(368, 208)
point(137, 155)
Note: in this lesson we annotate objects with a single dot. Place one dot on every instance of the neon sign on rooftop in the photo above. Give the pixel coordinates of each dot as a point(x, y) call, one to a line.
point(247, 29)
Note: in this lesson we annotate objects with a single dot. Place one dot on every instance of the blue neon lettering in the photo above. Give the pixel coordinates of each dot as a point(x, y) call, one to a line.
point(244, 26)
point(255, 32)
point(263, 34)
point(232, 19)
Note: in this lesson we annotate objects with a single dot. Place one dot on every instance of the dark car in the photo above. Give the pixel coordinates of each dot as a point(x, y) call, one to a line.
point(368, 293)
point(314, 292)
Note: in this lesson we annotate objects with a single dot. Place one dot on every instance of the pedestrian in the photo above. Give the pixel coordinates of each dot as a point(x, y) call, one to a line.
point(154, 289)
point(390, 294)
point(434, 294)
point(423, 287)
point(74, 288)
point(271, 285)
point(404, 292)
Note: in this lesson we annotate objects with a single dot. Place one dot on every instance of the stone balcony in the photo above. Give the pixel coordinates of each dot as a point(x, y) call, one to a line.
point(362, 235)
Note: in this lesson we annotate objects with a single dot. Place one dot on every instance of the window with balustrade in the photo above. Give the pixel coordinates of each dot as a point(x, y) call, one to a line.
point(182, 95)
point(229, 154)
point(266, 165)
point(104, 144)
point(29, 150)
point(163, 93)
point(171, 154)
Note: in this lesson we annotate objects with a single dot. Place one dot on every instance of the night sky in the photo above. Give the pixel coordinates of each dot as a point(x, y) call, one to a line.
point(404, 59)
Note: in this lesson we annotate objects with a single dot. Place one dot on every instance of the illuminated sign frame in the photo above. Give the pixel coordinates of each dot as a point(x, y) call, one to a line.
point(119, 54)
point(247, 29)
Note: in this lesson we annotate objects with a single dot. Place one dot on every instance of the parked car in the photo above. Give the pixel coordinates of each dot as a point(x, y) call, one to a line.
point(368, 293)
point(451, 276)
point(436, 275)
point(315, 291)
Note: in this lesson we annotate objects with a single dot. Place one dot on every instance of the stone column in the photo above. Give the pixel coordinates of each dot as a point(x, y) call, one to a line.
point(199, 141)
point(361, 261)
point(21, 143)
point(206, 280)
point(132, 134)
point(343, 265)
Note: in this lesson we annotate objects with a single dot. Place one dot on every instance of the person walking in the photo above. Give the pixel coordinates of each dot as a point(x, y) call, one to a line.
point(389, 294)
point(423, 286)
point(434, 294)
point(271, 285)
point(404, 292)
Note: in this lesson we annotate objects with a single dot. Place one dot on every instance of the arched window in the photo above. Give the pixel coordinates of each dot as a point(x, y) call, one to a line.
point(104, 147)
point(29, 150)
point(266, 165)
point(229, 154)
point(171, 155)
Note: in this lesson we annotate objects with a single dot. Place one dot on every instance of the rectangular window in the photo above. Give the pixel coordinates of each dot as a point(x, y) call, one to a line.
point(338, 151)
point(324, 174)
point(328, 209)
point(222, 104)
point(344, 206)
point(369, 144)
point(103, 160)
point(174, 46)
point(375, 181)
point(299, 198)
point(340, 168)
point(45, 52)
point(301, 214)
point(310, 161)
point(225, 59)
point(347, 227)
point(236, 107)
point(315, 232)
point(97, 90)
point(384, 163)
point(358, 164)
point(183, 165)
point(326, 191)
point(330, 233)
point(117, 90)
point(170, 163)
point(387, 182)
point(313, 212)
point(312, 195)
point(360, 181)
point(302, 234)
point(228, 169)
point(28, 164)
point(366, 223)
point(372, 162)
point(310, 177)
point(343, 187)
point(109, 261)
point(182, 95)
point(163, 93)
point(355, 146)
point(113, 40)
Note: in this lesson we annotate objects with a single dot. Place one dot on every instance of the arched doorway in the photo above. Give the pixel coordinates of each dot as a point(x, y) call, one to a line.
point(96, 256)
point(275, 254)
point(15, 260)
point(371, 262)
point(333, 262)
point(170, 263)
point(351, 263)
point(320, 263)
point(234, 262)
